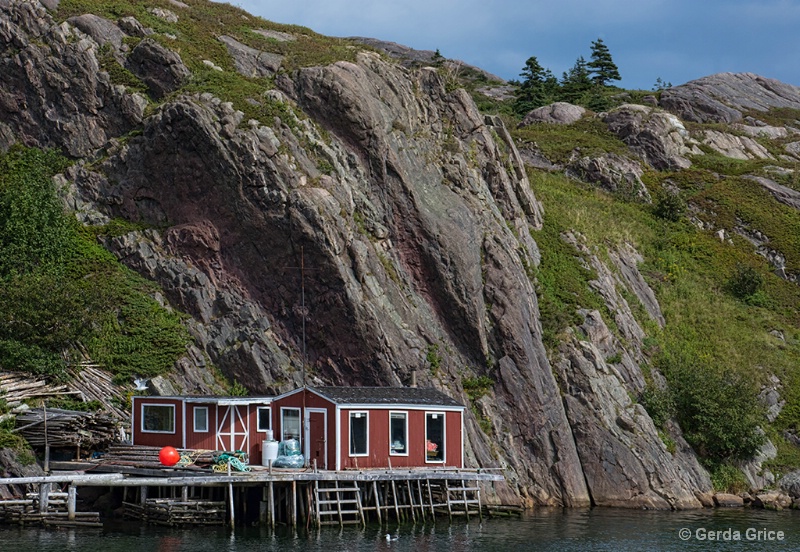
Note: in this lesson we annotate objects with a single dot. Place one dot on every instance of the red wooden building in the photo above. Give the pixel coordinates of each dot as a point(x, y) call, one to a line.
point(338, 427)
point(211, 423)
point(373, 427)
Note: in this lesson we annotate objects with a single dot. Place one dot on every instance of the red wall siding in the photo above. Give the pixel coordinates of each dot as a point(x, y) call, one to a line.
point(379, 456)
point(312, 400)
point(198, 440)
point(258, 437)
point(174, 439)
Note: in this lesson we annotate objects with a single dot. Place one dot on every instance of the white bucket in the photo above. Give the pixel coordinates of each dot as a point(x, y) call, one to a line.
point(269, 451)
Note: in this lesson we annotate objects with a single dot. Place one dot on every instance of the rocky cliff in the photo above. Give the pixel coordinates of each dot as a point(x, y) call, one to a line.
point(376, 225)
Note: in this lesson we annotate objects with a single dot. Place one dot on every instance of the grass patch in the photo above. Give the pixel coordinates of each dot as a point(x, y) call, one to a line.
point(563, 277)
point(557, 142)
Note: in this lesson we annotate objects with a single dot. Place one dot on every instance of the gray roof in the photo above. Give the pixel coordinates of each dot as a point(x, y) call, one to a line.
point(423, 396)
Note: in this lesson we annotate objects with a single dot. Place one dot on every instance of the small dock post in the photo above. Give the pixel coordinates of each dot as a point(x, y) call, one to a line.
point(294, 504)
point(271, 502)
point(421, 500)
point(44, 497)
point(394, 498)
point(411, 500)
point(377, 501)
point(72, 496)
point(231, 506)
point(464, 496)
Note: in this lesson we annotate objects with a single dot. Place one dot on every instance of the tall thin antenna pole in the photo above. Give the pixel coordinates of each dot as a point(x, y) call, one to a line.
point(304, 420)
point(303, 307)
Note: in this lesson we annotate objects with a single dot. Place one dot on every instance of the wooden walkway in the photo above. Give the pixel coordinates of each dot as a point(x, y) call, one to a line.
point(271, 496)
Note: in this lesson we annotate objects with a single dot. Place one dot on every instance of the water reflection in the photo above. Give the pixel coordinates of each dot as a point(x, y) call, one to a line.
point(544, 529)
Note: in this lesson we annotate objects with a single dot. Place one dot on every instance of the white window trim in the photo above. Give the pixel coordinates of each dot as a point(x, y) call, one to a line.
point(350, 432)
point(194, 419)
point(444, 437)
point(258, 418)
point(391, 452)
point(299, 421)
point(174, 422)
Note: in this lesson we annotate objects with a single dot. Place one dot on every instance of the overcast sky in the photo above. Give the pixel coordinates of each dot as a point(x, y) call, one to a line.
point(676, 40)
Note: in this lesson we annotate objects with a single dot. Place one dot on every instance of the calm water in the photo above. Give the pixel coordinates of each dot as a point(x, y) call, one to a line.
point(548, 530)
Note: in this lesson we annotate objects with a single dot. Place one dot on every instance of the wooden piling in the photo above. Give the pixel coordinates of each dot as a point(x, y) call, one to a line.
point(411, 500)
point(230, 505)
point(394, 499)
point(44, 497)
point(294, 504)
point(271, 503)
point(421, 500)
point(377, 501)
point(72, 497)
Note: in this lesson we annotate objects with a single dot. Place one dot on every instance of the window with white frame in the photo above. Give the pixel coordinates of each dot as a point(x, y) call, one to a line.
point(201, 419)
point(398, 433)
point(359, 429)
point(264, 418)
point(158, 418)
point(434, 437)
point(290, 423)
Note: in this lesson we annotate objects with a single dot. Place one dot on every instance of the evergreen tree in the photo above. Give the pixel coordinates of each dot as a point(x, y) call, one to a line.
point(575, 82)
point(602, 66)
point(538, 87)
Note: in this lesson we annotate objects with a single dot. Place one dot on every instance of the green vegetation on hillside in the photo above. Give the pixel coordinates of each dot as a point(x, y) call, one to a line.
point(730, 321)
point(195, 38)
point(61, 293)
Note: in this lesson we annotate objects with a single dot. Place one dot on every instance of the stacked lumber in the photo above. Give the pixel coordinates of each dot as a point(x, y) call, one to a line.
point(172, 512)
point(26, 511)
point(94, 384)
point(135, 456)
point(67, 428)
point(16, 387)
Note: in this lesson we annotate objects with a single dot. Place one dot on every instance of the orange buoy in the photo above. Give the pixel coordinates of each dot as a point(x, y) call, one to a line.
point(169, 456)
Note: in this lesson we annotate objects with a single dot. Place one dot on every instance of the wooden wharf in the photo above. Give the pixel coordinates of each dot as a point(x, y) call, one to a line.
point(263, 495)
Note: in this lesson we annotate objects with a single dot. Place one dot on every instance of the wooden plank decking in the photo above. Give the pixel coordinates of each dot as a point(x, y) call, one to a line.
point(287, 496)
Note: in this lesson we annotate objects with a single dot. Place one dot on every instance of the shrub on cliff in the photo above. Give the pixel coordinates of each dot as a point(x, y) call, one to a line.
point(718, 409)
point(61, 291)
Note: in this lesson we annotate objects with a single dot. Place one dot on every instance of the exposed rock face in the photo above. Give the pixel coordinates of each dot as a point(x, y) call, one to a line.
point(53, 93)
point(251, 62)
point(791, 483)
point(722, 98)
point(627, 260)
point(101, 30)
point(413, 57)
point(558, 113)
point(726, 500)
point(613, 173)
point(624, 460)
point(230, 328)
point(757, 476)
point(623, 457)
point(161, 70)
point(765, 131)
point(658, 137)
point(736, 147)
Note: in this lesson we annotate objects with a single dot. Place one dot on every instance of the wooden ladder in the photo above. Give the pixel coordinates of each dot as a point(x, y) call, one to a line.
point(337, 504)
point(461, 499)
